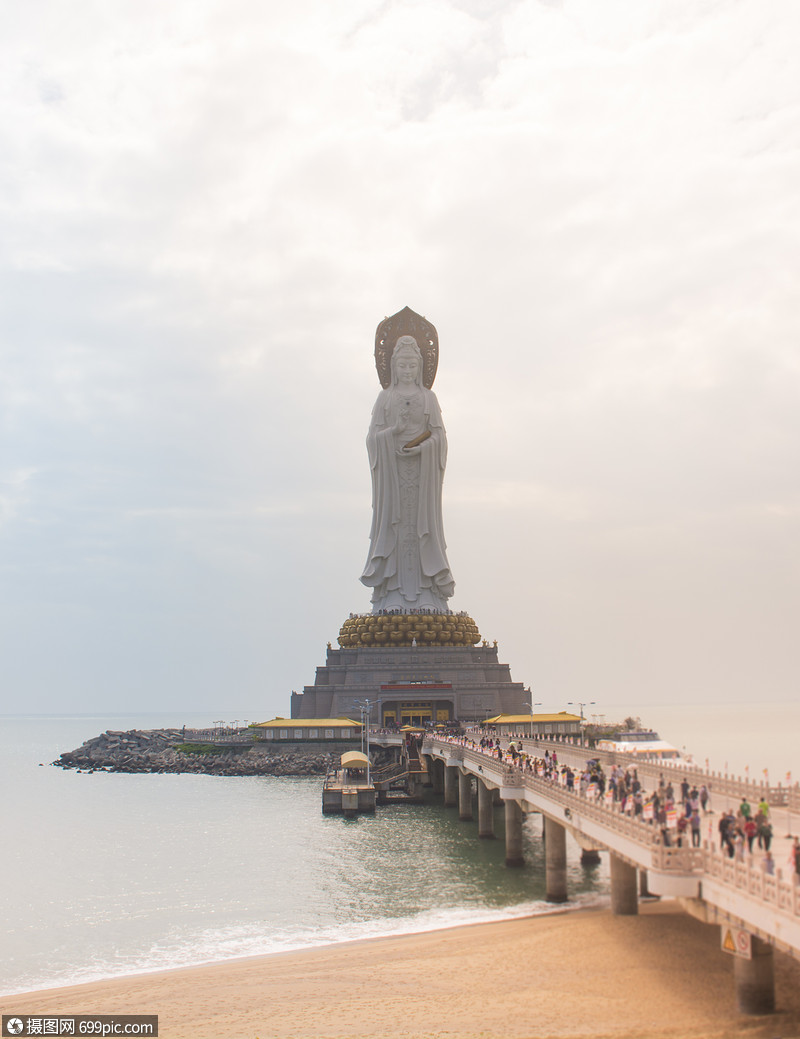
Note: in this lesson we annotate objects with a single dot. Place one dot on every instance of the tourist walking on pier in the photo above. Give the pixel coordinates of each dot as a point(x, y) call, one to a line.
point(726, 825)
point(694, 822)
point(750, 831)
point(765, 834)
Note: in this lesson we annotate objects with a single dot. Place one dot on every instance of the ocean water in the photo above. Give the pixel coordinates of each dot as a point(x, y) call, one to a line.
point(105, 874)
point(742, 739)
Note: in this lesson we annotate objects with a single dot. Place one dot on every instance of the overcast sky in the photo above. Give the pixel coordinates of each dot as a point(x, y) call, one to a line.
point(206, 208)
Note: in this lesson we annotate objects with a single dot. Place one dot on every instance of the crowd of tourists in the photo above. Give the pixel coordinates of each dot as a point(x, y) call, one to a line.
point(676, 809)
point(740, 830)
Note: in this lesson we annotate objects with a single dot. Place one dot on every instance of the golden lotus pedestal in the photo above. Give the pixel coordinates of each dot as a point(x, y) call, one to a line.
point(409, 629)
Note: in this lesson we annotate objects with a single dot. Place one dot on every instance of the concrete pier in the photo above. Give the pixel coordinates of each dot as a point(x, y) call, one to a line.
point(751, 901)
point(450, 786)
point(755, 979)
point(464, 796)
point(624, 887)
point(485, 810)
point(555, 860)
point(514, 855)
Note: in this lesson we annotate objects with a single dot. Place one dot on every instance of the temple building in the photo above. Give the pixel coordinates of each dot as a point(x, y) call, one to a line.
point(549, 725)
point(307, 730)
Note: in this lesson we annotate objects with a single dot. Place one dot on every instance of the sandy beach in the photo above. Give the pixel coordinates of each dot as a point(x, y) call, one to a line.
point(570, 975)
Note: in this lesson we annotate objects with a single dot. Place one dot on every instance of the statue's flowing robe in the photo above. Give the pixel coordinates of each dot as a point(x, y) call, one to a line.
point(383, 569)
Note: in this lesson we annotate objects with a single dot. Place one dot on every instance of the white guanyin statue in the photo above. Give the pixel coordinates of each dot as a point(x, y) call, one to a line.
point(407, 566)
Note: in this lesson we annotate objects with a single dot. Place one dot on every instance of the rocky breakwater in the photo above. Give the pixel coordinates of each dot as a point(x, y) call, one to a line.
point(172, 750)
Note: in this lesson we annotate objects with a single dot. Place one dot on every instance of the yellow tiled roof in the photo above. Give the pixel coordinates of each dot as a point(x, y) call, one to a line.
point(519, 719)
point(308, 723)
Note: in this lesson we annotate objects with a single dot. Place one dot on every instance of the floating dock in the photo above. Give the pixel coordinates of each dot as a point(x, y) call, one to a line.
point(348, 789)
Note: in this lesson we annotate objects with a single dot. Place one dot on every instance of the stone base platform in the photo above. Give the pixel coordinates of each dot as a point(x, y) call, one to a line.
point(412, 684)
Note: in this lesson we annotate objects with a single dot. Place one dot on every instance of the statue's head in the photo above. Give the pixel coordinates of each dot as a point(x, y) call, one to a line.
point(405, 352)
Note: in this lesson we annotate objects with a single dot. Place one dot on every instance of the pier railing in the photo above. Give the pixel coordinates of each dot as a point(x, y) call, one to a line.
point(744, 876)
point(722, 784)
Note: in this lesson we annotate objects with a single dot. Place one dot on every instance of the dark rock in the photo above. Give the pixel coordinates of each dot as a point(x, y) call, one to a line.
point(157, 751)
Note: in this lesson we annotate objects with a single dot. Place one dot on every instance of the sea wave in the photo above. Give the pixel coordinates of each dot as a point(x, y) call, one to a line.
point(243, 941)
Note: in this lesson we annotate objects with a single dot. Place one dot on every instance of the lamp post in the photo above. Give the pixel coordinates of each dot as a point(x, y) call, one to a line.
point(530, 707)
point(577, 703)
point(365, 706)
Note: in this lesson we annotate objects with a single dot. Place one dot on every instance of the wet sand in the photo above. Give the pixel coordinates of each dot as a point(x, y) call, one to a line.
point(580, 974)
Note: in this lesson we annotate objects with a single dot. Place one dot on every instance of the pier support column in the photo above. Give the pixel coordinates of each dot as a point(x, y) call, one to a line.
point(624, 895)
point(437, 776)
point(464, 796)
point(450, 786)
point(644, 890)
point(755, 979)
point(555, 860)
point(485, 812)
point(513, 834)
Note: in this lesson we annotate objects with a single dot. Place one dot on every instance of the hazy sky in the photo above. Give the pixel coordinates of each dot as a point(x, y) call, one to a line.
point(205, 210)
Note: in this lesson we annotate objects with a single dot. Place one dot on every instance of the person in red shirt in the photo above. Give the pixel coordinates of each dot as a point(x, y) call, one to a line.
point(750, 831)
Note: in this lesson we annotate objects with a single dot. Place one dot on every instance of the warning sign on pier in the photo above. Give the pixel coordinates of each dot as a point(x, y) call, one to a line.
point(737, 941)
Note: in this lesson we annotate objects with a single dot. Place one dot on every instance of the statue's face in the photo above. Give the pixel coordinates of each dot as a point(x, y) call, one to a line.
point(407, 368)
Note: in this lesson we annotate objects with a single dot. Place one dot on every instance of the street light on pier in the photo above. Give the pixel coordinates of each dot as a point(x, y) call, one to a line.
point(365, 707)
point(530, 707)
point(577, 703)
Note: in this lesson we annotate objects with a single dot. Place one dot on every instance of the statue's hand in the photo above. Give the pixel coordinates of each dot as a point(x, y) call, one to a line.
point(410, 450)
